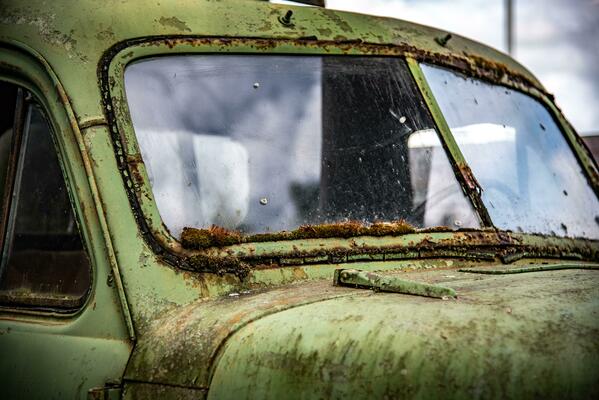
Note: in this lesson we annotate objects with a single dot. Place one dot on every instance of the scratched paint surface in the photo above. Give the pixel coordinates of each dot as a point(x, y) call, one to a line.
point(209, 315)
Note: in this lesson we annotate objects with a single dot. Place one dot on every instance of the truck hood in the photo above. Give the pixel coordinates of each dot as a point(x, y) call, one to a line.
point(522, 335)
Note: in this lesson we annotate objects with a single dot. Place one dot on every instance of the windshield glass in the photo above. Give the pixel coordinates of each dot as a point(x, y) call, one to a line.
point(530, 178)
point(269, 143)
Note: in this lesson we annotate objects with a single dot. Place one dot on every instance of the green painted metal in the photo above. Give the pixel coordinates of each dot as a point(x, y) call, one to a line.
point(382, 283)
point(91, 345)
point(510, 336)
point(144, 391)
point(531, 268)
point(283, 329)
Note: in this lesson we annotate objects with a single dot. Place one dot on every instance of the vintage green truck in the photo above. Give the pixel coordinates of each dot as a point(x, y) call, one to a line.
point(239, 199)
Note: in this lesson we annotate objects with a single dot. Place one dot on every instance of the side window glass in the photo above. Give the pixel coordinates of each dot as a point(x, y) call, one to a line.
point(44, 263)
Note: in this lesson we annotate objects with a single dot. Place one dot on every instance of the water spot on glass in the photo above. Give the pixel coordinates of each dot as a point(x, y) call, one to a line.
point(542, 126)
point(457, 222)
point(565, 193)
point(401, 119)
point(256, 85)
point(264, 201)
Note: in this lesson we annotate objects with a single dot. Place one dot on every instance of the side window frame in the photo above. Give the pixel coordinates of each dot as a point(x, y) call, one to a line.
point(54, 188)
point(36, 84)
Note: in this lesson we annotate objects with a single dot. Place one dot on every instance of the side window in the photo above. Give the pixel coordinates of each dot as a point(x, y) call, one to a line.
point(44, 263)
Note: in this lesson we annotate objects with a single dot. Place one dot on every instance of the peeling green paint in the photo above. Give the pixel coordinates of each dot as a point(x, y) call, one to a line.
point(259, 316)
point(531, 268)
point(174, 22)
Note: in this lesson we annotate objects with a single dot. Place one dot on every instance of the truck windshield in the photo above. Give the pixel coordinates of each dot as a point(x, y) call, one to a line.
point(530, 178)
point(269, 143)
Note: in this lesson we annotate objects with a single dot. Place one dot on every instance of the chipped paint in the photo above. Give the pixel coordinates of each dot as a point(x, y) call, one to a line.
point(174, 22)
point(222, 313)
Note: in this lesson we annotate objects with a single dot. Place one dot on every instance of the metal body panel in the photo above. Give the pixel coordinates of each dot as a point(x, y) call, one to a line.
point(49, 354)
point(270, 323)
point(532, 336)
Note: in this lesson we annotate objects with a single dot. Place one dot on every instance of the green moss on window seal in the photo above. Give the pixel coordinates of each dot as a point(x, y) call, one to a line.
point(214, 236)
point(196, 239)
point(218, 265)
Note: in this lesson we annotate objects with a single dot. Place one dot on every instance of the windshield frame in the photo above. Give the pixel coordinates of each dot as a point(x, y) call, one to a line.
point(137, 184)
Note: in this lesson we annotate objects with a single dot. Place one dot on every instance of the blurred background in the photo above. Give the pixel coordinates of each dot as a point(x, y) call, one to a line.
point(558, 40)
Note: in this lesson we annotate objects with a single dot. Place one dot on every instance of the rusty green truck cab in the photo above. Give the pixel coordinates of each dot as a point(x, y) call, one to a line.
point(489, 307)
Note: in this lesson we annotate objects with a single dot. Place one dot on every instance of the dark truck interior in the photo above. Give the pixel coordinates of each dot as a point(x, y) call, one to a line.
point(44, 263)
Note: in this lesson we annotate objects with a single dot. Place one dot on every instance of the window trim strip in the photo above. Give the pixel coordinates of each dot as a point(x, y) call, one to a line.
point(462, 171)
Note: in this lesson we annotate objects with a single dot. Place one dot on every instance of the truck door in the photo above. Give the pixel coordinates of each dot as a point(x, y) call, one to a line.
point(61, 330)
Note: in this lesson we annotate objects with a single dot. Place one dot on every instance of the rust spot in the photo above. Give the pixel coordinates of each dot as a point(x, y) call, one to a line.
point(476, 245)
point(469, 178)
point(218, 265)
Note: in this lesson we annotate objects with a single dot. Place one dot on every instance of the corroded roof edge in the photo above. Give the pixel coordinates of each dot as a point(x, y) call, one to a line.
point(88, 30)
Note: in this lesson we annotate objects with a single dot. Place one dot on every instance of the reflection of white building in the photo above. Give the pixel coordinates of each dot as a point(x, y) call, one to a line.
point(445, 203)
point(209, 182)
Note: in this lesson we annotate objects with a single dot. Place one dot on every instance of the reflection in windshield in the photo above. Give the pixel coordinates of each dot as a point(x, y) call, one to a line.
point(269, 143)
point(530, 179)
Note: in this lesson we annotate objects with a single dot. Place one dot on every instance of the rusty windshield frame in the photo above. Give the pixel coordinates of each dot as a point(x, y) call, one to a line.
point(494, 242)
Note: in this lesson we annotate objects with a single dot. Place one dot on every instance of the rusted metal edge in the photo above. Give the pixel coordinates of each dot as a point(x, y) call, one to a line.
point(56, 303)
point(475, 246)
point(162, 251)
point(532, 268)
point(466, 63)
